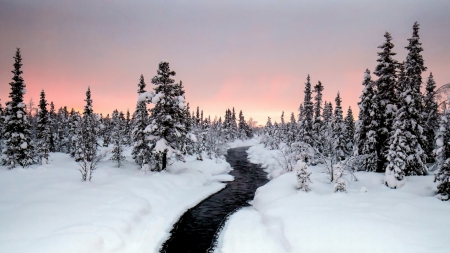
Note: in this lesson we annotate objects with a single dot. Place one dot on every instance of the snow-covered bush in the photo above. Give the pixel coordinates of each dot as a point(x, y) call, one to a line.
point(303, 174)
point(340, 183)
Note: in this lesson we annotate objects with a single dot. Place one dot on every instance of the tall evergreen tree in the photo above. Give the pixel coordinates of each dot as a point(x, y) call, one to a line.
point(308, 108)
point(349, 131)
point(430, 116)
point(442, 174)
point(414, 67)
point(318, 122)
point(339, 145)
point(169, 125)
point(384, 108)
point(86, 143)
point(43, 131)
point(74, 123)
point(405, 156)
point(141, 151)
point(18, 148)
point(117, 138)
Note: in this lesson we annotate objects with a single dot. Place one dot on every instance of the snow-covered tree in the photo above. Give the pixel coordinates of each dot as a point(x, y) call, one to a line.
point(308, 111)
point(86, 141)
point(117, 139)
point(18, 148)
point(349, 131)
point(303, 176)
point(406, 156)
point(169, 126)
point(339, 144)
point(141, 151)
point(74, 122)
point(384, 109)
point(340, 183)
point(43, 131)
point(430, 117)
point(318, 122)
point(442, 174)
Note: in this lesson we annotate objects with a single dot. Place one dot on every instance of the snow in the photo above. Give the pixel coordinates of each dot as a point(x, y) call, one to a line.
point(369, 217)
point(24, 145)
point(46, 208)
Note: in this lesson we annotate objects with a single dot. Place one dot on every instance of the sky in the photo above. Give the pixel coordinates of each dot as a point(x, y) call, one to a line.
point(250, 55)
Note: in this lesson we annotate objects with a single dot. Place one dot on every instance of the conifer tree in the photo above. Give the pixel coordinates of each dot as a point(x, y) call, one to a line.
point(74, 122)
point(43, 131)
point(349, 131)
point(308, 108)
point(339, 145)
point(2, 125)
point(301, 113)
point(127, 129)
point(106, 130)
point(318, 127)
point(169, 126)
point(86, 143)
point(303, 176)
point(117, 139)
point(405, 156)
point(18, 148)
point(442, 174)
point(430, 116)
point(414, 66)
point(141, 151)
point(367, 121)
point(385, 99)
point(53, 128)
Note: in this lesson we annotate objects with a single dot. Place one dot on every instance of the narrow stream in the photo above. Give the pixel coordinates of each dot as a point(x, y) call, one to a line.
point(195, 230)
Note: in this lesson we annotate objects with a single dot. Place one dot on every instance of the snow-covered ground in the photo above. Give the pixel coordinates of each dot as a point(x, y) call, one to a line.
point(370, 217)
point(48, 209)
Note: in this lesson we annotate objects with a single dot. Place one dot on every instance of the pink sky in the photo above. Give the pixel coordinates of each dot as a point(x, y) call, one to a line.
point(253, 55)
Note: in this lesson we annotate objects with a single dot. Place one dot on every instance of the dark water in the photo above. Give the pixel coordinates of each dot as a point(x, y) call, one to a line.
point(196, 230)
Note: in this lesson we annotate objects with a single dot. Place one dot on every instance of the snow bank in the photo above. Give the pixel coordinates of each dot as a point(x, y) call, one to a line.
point(370, 217)
point(46, 208)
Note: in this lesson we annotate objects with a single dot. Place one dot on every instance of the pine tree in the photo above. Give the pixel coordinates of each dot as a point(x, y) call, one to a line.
point(442, 174)
point(127, 129)
point(308, 114)
point(339, 145)
point(43, 131)
point(318, 123)
point(169, 124)
point(18, 148)
point(2, 125)
point(414, 66)
point(74, 123)
point(106, 130)
point(303, 176)
point(117, 139)
point(405, 156)
point(349, 131)
point(53, 128)
point(141, 151)
point(86, 143)
point(384, 108)
point(430, 116)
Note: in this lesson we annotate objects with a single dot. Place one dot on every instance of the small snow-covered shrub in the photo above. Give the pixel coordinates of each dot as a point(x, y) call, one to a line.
point(303, 174)
point(340, 183)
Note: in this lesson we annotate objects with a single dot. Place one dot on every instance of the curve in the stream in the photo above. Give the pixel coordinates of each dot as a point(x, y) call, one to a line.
point(195, 230)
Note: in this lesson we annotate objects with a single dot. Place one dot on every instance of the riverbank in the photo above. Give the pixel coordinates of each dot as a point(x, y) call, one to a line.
point(48, 209)
point(370, 217)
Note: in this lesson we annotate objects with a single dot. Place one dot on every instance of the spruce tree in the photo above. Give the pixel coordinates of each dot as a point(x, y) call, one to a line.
point(18, 148)
point(141, 151)
point(169, 126)
point(339, 145)
point(384, 109)
point(442, 174)
point(317, 122)
point(430, 117)
point(117, 139)
point(86, 143)
point(414, 67)
point(43, 131)
point(349, 131)
point(405, 156)
point(72, 135)
point(308, 109)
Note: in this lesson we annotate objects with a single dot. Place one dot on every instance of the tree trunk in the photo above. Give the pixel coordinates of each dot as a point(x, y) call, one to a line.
point(164, 160)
